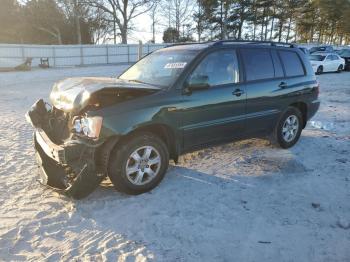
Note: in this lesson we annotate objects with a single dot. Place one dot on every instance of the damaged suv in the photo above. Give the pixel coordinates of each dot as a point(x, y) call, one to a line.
point(174, 100)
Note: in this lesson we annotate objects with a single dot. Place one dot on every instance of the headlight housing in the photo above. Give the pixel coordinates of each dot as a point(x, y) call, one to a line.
point(89, 126)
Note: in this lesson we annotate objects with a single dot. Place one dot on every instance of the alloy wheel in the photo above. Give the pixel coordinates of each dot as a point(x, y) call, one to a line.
point(290, 128)
point(143, 165)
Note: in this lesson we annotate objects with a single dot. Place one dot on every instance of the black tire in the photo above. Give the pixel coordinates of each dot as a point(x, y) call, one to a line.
point(122, 153)
point(84, 185)
point(319, 70)
point(340, 68)
point(278, 132)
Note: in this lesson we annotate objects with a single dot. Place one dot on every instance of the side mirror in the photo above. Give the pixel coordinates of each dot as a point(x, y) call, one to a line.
point(198, 83)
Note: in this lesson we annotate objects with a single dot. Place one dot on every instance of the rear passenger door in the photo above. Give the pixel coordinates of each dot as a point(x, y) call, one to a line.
point(335, 62)
point(328, 64)
point(264, 78)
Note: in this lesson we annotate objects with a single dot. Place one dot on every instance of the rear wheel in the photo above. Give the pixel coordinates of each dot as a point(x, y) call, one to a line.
point(319, 70)
point(340, 68)
point(289, 127)
point(138, 164)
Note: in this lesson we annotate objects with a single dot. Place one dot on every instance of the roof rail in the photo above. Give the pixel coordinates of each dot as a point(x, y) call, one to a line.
point(187, 43)
point(272, 43)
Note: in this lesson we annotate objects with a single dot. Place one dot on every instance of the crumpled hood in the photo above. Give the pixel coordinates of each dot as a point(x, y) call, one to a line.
point(73, 94)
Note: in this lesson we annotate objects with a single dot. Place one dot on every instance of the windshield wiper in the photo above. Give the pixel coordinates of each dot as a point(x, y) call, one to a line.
point(141, 82)
point(138, 81)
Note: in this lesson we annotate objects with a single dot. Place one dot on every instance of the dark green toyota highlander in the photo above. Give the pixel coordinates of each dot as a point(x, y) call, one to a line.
point(174, 100)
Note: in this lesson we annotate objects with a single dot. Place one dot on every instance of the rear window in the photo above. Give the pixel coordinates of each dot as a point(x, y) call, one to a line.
point(258, 64)
point(292, 63)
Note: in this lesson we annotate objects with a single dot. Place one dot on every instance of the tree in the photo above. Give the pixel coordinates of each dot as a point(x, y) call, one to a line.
point(171, 35)
point(199, 18)
point(177, 13)
point(217, 14)
point(153, 15)
point(47, 17)
point(10, 21)
point(121, 13)
point(99, 21)
point(241, 14)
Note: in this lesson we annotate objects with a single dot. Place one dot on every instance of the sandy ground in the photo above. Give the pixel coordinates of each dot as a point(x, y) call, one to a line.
point(244, 201)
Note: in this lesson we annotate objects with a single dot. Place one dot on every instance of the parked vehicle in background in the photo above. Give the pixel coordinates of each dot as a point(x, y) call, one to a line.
point(322, 48)
point(345, 54)
point(305, 50)
point(326, 62)
point(177, 99)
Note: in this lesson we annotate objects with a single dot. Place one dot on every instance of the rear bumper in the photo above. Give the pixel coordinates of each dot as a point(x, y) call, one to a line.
point(313, 108)
point(69, 167)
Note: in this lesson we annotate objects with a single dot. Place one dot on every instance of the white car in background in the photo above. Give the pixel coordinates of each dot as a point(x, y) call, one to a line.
point(326, 62)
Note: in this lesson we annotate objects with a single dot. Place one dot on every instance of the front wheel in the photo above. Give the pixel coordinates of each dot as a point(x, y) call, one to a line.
point(319, 70)
point(289, 127)
point(138, 164)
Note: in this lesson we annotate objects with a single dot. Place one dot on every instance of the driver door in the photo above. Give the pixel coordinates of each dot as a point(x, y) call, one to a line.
point(215, 113)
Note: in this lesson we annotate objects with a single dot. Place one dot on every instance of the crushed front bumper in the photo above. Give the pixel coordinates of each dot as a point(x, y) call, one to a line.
point(69, 167)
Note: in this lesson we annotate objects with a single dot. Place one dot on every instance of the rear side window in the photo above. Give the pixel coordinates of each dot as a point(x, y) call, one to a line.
point(258, 64)
point(335, 57)
point(292, 63)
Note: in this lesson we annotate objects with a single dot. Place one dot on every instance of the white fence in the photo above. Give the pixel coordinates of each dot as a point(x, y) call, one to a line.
point(73, 55)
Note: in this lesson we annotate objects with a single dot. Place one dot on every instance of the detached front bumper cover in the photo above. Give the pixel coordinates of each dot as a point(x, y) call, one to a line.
point(68, 168)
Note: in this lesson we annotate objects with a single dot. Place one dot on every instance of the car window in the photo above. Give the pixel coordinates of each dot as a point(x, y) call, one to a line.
point(335, 57)
point(220, 67)
point(292, 63)
point(329, 57)
point(316, 57)
point(313, 49)
point(160, 68)
point(258, 64)
point(277, 64)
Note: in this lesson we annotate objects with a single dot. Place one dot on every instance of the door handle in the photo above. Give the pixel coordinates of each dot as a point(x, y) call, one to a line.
point(238, 92)
point(283, 85)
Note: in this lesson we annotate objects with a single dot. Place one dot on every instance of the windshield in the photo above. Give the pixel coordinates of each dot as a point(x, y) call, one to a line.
point(317, 57)
point(160, 68)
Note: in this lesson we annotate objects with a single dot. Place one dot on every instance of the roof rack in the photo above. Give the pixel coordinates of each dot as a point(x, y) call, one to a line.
point(232, 41)
point(187, 43)
point(272, 43)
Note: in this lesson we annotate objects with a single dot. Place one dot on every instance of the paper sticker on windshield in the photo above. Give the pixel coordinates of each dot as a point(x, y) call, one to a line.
point(175, 65)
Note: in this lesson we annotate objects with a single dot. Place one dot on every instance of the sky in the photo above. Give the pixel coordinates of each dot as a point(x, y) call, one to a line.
point(143, 30)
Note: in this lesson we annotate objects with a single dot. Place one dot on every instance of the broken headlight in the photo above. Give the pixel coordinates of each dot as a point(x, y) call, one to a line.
point(89, 126)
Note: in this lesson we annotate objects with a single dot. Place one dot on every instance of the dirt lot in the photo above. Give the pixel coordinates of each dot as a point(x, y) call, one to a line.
point(245, 201)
